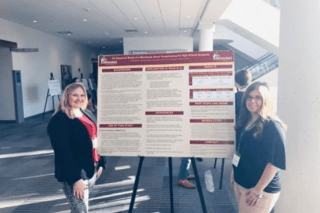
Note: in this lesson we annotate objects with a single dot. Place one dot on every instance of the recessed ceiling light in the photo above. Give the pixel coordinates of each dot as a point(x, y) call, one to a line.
point(69, 33)
point(145, 32)
point(188, 16)
point(84, 19)
point(107, 33)
point(185, 31)
point(135, 18)
point(35, 21)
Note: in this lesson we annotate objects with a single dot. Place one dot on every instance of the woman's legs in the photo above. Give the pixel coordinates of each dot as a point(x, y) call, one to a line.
point(264, 205)
point(78, 205)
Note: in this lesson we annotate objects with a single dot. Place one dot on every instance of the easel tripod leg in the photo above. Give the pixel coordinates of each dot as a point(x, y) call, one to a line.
point(221, 174)
point(203, 204)
point(136, 183)
point(171, 188)
point(45, 105)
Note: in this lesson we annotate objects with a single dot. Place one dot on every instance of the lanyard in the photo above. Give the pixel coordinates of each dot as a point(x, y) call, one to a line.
point(244, 130)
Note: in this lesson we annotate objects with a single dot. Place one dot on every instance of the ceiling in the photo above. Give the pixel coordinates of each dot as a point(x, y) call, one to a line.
point(101, 24)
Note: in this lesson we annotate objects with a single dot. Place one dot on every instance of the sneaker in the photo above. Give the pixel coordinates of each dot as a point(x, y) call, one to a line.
point(186, 184)
point(191, 177)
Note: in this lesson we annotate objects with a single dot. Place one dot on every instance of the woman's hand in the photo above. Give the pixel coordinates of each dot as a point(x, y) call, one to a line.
point(78, 189)
point(99, 172)
point(252, 198)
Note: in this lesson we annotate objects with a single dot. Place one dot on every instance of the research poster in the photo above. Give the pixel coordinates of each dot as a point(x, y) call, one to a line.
point(169, 105)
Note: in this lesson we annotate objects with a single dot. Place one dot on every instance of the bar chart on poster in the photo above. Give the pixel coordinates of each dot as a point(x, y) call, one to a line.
point(173, 104)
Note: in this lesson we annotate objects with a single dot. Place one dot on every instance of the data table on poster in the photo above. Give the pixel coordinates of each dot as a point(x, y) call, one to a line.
point(170, 105)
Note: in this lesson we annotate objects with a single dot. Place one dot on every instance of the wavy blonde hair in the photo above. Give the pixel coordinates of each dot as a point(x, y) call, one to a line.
point(266, 113)
point(64, 104)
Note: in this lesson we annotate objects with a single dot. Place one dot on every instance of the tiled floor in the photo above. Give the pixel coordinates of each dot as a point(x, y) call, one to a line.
point(28, 183)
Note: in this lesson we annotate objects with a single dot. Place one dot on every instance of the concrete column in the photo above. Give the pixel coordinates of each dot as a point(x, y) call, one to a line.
point(299, 104)
point(206, 31)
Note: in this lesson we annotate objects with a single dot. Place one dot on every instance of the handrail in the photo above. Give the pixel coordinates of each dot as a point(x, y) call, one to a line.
point(262, 65)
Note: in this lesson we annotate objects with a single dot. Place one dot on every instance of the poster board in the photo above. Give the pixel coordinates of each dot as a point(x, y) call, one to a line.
point(169, 105)
point(54, 87)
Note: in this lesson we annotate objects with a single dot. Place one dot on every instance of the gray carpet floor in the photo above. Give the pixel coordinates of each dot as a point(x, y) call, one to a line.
point(28, 183)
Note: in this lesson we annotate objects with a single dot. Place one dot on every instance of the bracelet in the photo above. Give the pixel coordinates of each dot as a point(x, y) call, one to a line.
point(258, 195)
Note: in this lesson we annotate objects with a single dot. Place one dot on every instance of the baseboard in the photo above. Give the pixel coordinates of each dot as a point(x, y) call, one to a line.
point(37, 116)
point(33, 117)
point(8, 122)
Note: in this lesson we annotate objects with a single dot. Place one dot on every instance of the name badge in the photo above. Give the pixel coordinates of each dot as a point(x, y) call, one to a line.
point(95, 143)
point(236, 159)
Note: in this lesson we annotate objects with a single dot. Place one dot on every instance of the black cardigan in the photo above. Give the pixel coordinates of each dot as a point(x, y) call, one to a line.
point(72, 147)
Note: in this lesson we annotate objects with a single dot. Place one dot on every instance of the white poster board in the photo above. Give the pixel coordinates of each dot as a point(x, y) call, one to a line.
point(54, 87)
point(170, 105)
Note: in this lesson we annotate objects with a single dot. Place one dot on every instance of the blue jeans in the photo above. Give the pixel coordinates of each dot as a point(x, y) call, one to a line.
point(184, 169)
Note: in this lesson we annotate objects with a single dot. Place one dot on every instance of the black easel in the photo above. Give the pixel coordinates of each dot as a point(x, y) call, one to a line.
point(136, 183)
point(45, 105)
point(222, 170)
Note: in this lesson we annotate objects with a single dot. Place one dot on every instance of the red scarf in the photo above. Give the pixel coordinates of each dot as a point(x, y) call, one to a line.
point(92, 130)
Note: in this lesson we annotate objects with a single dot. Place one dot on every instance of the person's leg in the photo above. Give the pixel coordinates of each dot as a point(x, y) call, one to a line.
point(77, 205)
point(264, 205)
point(267, 202)
point(240, 193)
point(237, 192)
point(184, 173)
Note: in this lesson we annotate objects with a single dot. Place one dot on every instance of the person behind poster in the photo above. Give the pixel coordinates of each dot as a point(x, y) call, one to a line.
point(242, 80)
point(184, 175)
point(260, 152)
point(73, 136)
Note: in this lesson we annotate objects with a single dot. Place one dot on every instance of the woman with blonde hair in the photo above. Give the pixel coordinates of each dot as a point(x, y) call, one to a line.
point(260, 152)
point(73, 136)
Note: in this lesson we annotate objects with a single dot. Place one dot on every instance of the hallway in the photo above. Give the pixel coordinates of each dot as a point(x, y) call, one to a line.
point(28, 183)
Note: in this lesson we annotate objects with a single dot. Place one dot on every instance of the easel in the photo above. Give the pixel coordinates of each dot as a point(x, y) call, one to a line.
point(222, 170)
point(45, 105)
point(136, 183)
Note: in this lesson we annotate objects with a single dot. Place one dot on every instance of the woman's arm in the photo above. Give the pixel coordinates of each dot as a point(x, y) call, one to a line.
point(253, 195)
point(267, 176)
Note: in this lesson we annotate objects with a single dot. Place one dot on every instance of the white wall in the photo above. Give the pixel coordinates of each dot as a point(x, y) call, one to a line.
point(271, 79)
point(239, 42)
point(7, 110)
point(36, 66)
point(299, 104)
point(158, 43)
point(255, 20)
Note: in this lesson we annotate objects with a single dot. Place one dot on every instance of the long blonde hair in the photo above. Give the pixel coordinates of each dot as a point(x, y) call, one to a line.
point(266, 113)
point(64, 104)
